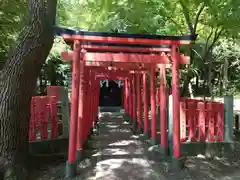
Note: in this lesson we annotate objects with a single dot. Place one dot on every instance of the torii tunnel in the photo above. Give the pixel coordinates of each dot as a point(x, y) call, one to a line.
point(131, 58)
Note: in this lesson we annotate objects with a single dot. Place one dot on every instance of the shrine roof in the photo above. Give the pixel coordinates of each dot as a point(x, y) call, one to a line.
point(59, 31)
point(122, 39)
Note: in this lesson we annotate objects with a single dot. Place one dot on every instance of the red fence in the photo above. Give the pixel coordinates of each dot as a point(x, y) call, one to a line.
point(43, 121)
point(201, 120)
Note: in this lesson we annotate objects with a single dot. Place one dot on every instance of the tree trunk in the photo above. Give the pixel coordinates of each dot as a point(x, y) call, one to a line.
point(209, 81)
point(17, 83)
point(197, 84)
point(225, 76)
point(184, 91)
point(41, 84)
point(190, 90)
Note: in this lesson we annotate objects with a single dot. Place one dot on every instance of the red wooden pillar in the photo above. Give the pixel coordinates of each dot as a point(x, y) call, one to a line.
point(163, 107)
point(71, 163)
point(95, 94)
point(97, 88)
point(130, 100)
point(153, 106)
point(202, 123)
point(97, 97)
point(80, 112)
point(139, 101)
point(53, 115)
point(176, 103)
point(86, 105)
point(134, 94)
point(92, 103)
point(91, 98)
point(146, 103)
point(126, 96)
point(94, 116)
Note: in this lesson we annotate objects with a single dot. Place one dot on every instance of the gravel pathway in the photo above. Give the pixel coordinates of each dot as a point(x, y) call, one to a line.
point(121, 154)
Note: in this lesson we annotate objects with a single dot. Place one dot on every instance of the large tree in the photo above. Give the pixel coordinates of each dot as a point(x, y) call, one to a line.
point(17, 83)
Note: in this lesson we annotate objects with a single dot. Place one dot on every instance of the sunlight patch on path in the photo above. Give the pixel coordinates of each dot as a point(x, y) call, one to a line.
point(124, 142)
point(124, 169)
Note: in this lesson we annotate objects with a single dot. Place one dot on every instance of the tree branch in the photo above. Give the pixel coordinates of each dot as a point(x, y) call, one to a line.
point(208, 38)
point(187, 17)
point(202, 6)
point(192, 26)
point(217, 34)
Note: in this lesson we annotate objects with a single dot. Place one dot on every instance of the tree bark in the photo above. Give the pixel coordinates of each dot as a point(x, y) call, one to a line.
point(17, 83)
point(41, 84)
point(225, 76)
point(52, 73)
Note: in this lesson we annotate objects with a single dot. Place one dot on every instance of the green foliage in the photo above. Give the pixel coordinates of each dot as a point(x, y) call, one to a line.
point(12, 19)
point(55, 68)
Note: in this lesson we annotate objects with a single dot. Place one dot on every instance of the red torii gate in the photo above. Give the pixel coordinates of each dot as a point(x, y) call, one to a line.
point(83, 58)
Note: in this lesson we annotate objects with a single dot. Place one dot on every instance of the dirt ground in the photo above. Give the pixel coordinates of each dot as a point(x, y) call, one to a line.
point(116, 154)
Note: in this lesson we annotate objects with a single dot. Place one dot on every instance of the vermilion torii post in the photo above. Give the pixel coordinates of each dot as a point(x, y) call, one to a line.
point(176, 103)
point(92, 101)
point(163, 108)
point(71, 163)
point(126, 96)
point(90, 104)
point(146, 103)
point(80, 111)
point(85, 105)
point(134, 94)
point(130, 100)
point(153, 106)
point(96, 97)
point(139, 100)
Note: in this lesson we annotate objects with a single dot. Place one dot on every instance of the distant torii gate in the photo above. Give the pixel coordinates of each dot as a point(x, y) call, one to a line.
point(131, 54)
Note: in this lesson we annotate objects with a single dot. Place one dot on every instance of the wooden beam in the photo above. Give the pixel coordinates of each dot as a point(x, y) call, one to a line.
point(133, 58)
point(107, 69)
point(112, 78)
point(123, 48)
point(123, 66)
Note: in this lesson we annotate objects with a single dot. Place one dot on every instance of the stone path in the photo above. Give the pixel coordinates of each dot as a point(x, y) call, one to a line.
point(120, 155)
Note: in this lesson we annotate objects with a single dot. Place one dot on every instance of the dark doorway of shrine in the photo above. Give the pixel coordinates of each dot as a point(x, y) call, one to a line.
point(110, 94)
